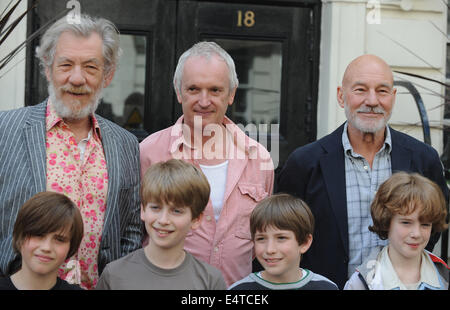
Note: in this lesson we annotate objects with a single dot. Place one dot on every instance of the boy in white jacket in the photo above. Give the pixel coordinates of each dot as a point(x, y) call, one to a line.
point(406, 209)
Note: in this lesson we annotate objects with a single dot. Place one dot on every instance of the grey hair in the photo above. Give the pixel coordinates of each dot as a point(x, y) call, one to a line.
point(104, 28)
point(205, 49)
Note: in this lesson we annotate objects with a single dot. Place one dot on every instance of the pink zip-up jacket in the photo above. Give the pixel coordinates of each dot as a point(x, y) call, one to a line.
point(225, 244)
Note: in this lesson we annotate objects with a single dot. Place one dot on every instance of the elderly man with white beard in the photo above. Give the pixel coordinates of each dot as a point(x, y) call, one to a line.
point(61, 145)
point(338, 175)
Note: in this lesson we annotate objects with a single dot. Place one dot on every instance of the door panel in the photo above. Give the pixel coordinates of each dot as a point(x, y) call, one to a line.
point(258, 66)
point(123, 100)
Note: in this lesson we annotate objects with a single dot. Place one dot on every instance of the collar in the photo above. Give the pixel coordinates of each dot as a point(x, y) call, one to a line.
point(428, 274)
point(307, 275)
point(241, 141)
point(52, 119)
point(348, 149)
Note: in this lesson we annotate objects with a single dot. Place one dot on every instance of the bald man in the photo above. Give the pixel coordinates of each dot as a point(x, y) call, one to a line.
point(339, 174)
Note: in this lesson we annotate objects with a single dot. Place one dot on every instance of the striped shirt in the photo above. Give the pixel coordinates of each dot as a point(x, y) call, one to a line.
point(309, 281)
point(362, 182)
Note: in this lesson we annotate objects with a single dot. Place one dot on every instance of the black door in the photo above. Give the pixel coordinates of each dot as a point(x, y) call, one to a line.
point(275, 48)
point(275, 45)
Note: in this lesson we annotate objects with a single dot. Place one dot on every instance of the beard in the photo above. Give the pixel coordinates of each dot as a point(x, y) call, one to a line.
point(367, 126)
point(74, 110)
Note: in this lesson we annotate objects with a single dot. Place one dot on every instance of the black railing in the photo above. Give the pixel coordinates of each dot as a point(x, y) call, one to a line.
point(427, 139)
point(422, 112)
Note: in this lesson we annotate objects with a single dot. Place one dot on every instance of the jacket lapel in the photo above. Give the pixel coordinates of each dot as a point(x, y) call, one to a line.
point(400, 155)
point(332, 165)
point(111, 156)
point(34, 137)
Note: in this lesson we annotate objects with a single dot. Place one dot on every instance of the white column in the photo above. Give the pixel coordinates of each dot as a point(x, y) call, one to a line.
point(342, 39)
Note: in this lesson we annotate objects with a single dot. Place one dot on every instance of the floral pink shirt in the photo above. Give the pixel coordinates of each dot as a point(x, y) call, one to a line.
point(85, 182)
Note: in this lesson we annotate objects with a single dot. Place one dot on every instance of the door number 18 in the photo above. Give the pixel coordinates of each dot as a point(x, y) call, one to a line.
point(247, 19)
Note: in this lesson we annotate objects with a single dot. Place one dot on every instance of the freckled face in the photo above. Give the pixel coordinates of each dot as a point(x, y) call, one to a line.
point(408, 236)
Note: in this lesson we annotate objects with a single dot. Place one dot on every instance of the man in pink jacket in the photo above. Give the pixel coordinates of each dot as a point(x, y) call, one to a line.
point(239, 169)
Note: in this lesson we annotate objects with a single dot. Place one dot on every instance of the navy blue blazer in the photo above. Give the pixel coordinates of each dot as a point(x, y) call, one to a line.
point(316, 173)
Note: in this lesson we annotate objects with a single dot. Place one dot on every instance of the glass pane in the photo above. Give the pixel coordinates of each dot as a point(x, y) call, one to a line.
point(258, 66)
point(123, 100)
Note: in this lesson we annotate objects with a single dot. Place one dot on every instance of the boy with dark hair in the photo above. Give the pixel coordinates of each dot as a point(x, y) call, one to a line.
point(174, 195)
point(406, 210)
point(281, 227)
point(48, 230)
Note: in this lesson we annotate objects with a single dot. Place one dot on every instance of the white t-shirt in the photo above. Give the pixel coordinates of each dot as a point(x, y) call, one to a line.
point(217, 178)
point(82, 145)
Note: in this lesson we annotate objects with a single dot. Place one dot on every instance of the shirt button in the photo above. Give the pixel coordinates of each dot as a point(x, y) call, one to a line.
point(208, 218)
point(366, 167)
point(216, 249)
